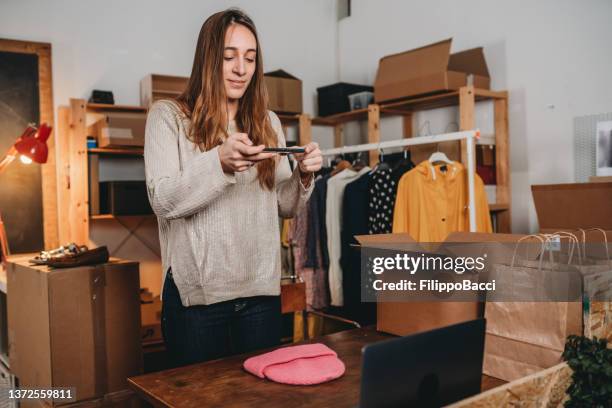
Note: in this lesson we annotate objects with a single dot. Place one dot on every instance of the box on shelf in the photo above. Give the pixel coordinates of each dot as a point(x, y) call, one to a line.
point(156, 86)
point(334, 98)
point(74, 327)
point(361, 100)
point(429, 69)
point(115, 129)
point(284, 92)
point(124, 198)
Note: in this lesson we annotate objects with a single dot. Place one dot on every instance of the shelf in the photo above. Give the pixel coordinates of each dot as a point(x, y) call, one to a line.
point(167, 91)
point(289, 118)
point(340, 118)
point(115, 108)
point(113, 217)
point(436, 101)
point(408, 105)
point(117, 151)
point(497, 207)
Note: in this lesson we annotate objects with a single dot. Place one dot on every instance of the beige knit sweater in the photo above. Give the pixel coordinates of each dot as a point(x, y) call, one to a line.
point(218, 232)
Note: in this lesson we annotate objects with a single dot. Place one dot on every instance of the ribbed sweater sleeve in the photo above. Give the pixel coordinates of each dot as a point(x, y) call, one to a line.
point(290, 191)
point(176, 192)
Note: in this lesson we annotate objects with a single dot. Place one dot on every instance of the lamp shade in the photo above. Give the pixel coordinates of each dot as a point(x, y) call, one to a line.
point(34, 144)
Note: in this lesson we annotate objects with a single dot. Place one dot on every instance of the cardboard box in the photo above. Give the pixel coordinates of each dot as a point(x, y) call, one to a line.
point(600, 179)
point(119, 399)
point(116, 129)
point(572, 206)
point(151, 321)
point(403, 318)
point(284, 92)
point(429, 69)
point(75, 327)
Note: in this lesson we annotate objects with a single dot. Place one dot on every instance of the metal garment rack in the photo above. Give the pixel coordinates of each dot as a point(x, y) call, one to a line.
point(467, 135)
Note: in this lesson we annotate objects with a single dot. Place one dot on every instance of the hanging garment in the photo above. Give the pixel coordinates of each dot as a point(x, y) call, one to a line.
point(333, 221)
point(354, 222)
point(313, 232)
point(382, 191)
point(432, 202)
point(314, 278)
point(286, 252)
point(317, 230)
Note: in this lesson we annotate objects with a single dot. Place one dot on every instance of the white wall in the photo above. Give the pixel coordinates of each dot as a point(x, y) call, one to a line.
point(112, 44)
point(553, 56)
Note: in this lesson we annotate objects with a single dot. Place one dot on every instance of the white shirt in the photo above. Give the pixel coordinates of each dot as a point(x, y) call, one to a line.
point(333, 221)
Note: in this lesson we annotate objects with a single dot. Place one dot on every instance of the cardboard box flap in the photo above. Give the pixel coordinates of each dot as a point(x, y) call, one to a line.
point(482, 237)
point(572, 206)
point(372, 240)
point(405, 238)
point(279, 73)
point(415, 63)
point(469, 61)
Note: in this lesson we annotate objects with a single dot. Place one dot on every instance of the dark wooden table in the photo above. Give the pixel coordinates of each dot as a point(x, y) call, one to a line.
point(224, 382)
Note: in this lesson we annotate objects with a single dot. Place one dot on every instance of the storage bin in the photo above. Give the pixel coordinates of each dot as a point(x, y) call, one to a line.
point(360, 100)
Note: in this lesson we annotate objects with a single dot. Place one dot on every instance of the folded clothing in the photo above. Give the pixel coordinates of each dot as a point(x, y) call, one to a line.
point(305, 364)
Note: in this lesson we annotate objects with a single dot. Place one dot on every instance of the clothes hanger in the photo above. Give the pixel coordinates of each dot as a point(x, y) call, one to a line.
point(382, 164)
point(341, 165)
point(358, 164)
point(438, 156)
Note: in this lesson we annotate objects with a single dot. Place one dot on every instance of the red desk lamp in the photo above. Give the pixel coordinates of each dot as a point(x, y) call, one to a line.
point(30, 146)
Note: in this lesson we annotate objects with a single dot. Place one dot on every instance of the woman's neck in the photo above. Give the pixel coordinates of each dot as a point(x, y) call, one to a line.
point(232, 109)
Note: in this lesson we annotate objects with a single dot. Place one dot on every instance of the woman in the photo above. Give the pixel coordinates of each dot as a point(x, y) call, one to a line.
point(217, 197)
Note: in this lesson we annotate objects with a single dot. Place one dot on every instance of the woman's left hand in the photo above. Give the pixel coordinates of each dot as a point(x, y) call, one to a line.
point(311, 160)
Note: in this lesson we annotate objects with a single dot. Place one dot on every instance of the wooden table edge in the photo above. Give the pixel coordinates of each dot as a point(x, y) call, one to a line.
point(142, 393)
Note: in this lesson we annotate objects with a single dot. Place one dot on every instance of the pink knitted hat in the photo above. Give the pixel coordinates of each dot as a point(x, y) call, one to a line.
point(306, 364)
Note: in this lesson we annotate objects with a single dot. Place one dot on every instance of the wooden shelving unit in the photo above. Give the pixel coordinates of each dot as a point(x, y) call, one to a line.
point(73, 169)
point(73, 197)
point(125, 151)
point(103, 107)
point(114, 217)
point(156, 86)
point(465, 98)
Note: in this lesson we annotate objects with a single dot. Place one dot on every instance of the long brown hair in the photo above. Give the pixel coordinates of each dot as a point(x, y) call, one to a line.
point(204, 100)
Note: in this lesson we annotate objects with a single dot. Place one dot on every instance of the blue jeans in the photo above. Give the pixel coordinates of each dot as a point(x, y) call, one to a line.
point(205, 332)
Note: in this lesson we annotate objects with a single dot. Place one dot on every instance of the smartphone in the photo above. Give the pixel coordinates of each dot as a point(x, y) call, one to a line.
point(284, 150)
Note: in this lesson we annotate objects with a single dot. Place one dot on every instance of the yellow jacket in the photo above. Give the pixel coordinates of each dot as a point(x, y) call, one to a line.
point(431, 203)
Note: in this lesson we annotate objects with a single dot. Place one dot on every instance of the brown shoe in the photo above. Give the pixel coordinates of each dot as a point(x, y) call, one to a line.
point(90, 257)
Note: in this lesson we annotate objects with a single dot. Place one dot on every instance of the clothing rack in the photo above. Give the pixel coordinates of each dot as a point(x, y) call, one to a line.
point(467, 135)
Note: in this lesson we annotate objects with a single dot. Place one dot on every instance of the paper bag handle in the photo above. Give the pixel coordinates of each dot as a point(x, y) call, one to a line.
point(573, 239)
point(526, 237)
point(584, 231)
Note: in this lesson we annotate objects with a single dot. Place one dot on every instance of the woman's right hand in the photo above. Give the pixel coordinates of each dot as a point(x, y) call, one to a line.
point(238, 154)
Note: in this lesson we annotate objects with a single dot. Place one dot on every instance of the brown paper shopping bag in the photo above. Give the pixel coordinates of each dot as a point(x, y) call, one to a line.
point(525, 337)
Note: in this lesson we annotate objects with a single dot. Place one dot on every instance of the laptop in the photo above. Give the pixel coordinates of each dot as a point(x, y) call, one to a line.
point(429, 369)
